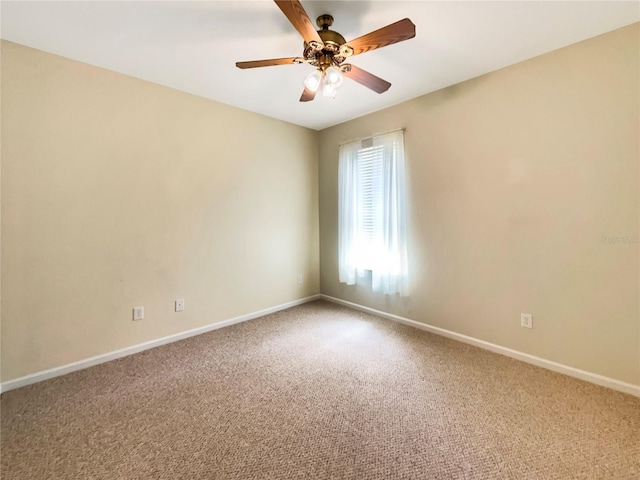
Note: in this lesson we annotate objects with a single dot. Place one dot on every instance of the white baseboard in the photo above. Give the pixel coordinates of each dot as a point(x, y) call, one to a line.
point(524, 357)
point(106, 357)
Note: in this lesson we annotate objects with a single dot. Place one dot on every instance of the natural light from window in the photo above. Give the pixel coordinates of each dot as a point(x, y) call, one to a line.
point(372, 213)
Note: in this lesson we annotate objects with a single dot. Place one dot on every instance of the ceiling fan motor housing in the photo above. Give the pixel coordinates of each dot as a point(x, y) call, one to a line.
point(335, 49)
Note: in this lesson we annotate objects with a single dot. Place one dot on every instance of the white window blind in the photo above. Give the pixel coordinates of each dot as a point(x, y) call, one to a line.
point(369, 203)
point(372, 225)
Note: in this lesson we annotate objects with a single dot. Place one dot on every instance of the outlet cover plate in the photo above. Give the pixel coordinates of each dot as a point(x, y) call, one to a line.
point(138, 313)
point(526, 320)
point(180, 305)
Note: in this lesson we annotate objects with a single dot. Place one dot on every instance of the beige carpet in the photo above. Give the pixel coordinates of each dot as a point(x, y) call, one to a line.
point(318, 392)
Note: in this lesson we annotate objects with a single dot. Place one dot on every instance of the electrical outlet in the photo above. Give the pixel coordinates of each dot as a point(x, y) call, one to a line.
point(180, 305)
point(526, 320)
point(299, 279)
point(138, 313)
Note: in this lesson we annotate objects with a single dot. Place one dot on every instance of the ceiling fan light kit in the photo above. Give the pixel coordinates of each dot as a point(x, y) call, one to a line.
point(330, 79)
point(327, 50)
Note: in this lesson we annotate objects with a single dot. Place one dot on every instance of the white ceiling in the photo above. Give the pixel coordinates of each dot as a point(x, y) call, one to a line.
point(193, 46)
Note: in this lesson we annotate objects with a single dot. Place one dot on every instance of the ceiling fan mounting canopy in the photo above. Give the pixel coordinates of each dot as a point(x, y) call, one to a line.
point(326, 49)
point(324, 21)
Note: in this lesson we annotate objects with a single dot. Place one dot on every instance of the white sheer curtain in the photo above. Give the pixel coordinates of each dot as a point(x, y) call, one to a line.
point(372, 213)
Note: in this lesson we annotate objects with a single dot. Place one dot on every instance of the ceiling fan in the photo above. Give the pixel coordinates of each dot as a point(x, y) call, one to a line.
point(327, 50)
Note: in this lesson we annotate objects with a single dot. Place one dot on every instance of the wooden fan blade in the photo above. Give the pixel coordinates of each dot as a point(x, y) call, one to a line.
point(365, 78)
point(396, 32)
point(293, 10)
point(270, 62)
point(307, 95)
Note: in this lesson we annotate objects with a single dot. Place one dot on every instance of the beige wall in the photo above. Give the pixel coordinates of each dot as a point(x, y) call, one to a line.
point(118, 192)
point(514, 179)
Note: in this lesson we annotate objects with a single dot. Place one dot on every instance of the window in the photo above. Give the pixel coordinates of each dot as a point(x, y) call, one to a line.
point(372, 218)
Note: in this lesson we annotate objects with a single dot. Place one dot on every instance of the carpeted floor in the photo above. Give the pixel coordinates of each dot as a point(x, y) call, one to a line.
point(318, 392)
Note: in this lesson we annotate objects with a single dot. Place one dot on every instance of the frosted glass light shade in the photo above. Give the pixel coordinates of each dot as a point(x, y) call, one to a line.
point(334, 76)
point(328, 89)
point(313, 80)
